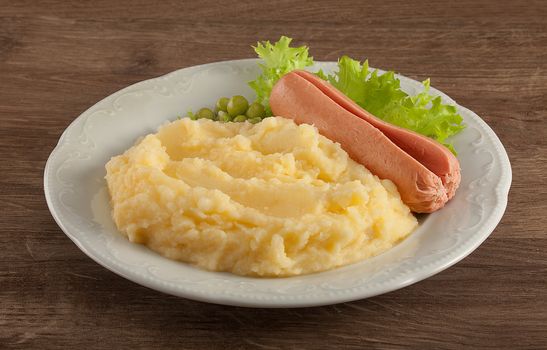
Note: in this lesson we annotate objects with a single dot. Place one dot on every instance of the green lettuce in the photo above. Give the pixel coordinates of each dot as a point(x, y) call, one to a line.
point(278, 59)
point(380, 94)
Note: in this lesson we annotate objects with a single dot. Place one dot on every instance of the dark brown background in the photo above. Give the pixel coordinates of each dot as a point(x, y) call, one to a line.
point(57, 59)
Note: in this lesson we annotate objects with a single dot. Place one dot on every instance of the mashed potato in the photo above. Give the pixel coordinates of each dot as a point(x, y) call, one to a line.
point(269, 199)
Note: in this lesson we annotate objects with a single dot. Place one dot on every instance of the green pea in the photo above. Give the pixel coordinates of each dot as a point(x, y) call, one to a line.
point(240, 118)
point(256, 110)
point(255, 120)
point(205, 113)
point(222, 104)
point(237, 105)
point(223, 117)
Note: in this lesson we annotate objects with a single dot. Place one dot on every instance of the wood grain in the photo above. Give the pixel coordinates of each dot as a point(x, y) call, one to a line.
point(58, 58)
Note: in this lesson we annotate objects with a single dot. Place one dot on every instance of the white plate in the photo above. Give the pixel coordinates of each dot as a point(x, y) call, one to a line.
point(76, 195)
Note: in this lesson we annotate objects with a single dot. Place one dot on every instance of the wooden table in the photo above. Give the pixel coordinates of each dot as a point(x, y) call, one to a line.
point(57, 59)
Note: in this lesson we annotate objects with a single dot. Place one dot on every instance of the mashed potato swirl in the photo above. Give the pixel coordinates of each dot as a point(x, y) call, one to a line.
point(266, 199)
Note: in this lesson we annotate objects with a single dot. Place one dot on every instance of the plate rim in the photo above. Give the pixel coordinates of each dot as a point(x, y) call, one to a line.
point(501, 190)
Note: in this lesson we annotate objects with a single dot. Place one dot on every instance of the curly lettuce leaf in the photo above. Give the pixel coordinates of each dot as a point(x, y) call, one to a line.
point(382, 96)
point(278, 59)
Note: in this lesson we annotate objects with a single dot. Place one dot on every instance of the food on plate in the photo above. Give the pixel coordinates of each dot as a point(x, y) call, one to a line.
point(425, 150)
point(319, 171)
point(379, 94)
point(235, 109)
point(267, 199)
point(384, 149)
point(382, 96)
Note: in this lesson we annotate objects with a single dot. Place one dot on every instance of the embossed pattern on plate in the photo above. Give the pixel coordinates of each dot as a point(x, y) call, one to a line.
point(76, 194)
